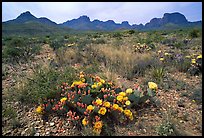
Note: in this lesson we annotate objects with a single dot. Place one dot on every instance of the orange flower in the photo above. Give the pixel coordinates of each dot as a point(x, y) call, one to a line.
point(98, 125)
point(120, 109)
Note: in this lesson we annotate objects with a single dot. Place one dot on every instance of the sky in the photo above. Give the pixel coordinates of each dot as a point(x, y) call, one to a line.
point(133, 12)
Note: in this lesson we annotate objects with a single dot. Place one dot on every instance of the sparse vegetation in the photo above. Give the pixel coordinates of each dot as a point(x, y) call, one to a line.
point(48, 70)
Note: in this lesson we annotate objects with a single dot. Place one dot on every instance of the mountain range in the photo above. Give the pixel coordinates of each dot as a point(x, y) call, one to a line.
point(26, 22)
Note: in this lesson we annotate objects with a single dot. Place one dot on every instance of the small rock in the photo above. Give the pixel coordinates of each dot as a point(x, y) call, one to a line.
point(16, 103)
point(47, 133)
point(23, 133)
point(199, 107)
point(37, 134)
point(7, 132)
point(52, 123)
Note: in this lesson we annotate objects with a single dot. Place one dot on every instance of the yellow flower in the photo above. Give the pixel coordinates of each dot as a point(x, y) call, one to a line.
point(166, 54)
point(107, 104)
point(119, 98)
point(115, 106)
point(127, 102)
point(99, 102)
point(193, 61)
point(131, 117)
point(90, 107)
point(82, 80)
point(152, 85)
point(85, 121)
point(98, 125)
point(122, 94)
point(39, 109)
point(93, 86)
point(188, 56)
point(200, 56)
point(161, 59)
point(127, 112)
point(125, 98)
point(129, 90)
point(120, 109)
point(102, 110)
point(76, 83)
point(63, 99)
point(99, 84)
point(102, 81)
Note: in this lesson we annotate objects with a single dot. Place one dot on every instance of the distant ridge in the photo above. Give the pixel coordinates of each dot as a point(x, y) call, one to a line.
point(175, 20)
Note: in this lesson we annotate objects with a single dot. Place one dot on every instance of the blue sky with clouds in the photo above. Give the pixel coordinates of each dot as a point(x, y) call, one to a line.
point(133, 12)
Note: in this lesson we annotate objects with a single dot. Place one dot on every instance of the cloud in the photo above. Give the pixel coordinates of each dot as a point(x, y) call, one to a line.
point(133, 12)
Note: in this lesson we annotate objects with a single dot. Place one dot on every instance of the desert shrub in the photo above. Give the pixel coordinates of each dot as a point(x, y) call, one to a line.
point(117, 35)
point(158, 73)
point(99, 41)
point(180, 45)
point(194, 33)
point(182, 64)
point(169, 41)
point(57, 43)
point(196, 95)
point(9, 112)
point(19, 50)
point(143, 63)
point(131, 31)
point(66, 56)
point(166, 129)
point(43, 84)
point(5, 71)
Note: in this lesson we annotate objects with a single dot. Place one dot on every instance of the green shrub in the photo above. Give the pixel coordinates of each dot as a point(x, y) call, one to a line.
point(43, 84)
point(158, 73)
point(144, 64)
point(182, 65)
point(57, 43)
point(194, 33)
point(166, 129)
point(20, 49)
point(131, 31)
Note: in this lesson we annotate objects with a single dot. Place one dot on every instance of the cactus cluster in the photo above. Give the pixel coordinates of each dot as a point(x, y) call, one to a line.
point(93, 102)
point(141, 48)
point(190, 63)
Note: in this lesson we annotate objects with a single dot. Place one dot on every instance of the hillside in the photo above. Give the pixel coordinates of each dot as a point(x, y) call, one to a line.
point(32, 28)
point(28, 24)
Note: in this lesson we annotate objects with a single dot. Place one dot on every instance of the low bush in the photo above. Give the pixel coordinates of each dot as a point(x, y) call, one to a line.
point(43, 84)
